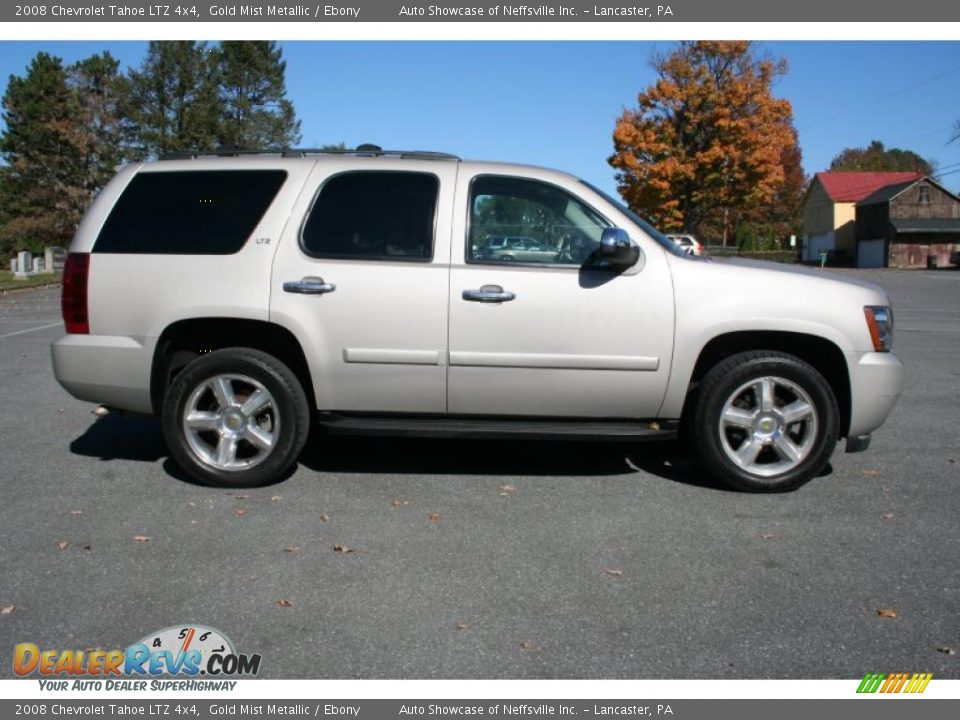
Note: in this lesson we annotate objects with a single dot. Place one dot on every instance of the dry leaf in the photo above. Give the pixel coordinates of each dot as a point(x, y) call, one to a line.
point(241, 497)
point(871, 473)
point(888, 516)
point(324, 517)
point(614, 572)
point(945, 650)
point(274, 498)
point(888, 613)
point(7, 609)
point(400, 503)
point(100, 411)
point(61, 411)
point(343, 549)
point(240, 513)
point(141, 538)
point(527, 646)
point(76, 512)
point(291, 548)
point(192, 503)
point(284, 603)
point(767, 536)
point(88, 548)
point(434, 517)
point(61, 545)
point(194, 522)
point(507, 490)
point(461, 626)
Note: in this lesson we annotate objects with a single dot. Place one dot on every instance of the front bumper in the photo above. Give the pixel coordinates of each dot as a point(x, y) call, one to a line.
point(876, 381)
point(109, 370)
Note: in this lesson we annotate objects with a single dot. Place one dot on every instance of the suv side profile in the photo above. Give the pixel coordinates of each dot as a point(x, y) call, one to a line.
point(245, 299)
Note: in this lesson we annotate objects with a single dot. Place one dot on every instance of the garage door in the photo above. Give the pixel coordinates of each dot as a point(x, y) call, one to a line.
point(870, 253)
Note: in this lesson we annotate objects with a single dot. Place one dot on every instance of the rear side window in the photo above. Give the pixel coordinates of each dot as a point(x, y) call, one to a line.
point(189, 213)
point(373, 216)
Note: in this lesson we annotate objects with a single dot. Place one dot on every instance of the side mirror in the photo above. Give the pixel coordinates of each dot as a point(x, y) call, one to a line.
point(617, 251)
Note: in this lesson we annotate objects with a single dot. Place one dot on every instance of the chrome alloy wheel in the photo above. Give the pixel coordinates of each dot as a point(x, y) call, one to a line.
point(231, 422)
point(768, 426)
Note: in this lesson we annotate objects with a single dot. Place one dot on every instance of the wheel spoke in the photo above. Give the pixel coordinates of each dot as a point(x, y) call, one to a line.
point(226, 451)
point(223, 391)
point(255, 403)
point(763, 389)
point(200, 420)
point(258, 437)
point(738, 417)
point(747, 453)
point(786, 449)
point(796, 411)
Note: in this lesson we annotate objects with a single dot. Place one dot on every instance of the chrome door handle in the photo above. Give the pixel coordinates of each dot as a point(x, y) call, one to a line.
point(309, 286)
point(489, 294)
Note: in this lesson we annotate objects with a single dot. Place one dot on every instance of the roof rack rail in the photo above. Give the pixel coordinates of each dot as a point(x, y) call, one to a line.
point(365, 150)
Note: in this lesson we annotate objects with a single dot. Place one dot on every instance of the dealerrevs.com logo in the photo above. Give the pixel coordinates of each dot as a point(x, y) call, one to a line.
point(180, 651)
point(894, 683)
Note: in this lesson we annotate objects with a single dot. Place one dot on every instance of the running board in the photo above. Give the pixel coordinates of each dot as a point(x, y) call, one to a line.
point(498, 428)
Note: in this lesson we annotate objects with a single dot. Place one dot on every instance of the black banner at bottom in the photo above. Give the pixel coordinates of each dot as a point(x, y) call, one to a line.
point(875, 708)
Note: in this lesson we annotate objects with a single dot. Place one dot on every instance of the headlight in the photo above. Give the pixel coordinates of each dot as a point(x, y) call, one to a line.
point(880, 324)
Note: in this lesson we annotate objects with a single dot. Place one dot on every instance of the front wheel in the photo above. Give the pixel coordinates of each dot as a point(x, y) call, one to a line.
point(236, 418)
point(765, 421)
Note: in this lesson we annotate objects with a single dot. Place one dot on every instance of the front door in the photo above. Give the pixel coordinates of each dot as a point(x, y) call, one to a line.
point(541, 334)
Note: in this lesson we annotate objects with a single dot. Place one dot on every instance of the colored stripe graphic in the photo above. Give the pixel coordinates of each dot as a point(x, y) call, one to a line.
point(894, 683)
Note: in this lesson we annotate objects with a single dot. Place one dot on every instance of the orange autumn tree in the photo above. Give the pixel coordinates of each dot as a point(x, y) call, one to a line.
point(707, 142)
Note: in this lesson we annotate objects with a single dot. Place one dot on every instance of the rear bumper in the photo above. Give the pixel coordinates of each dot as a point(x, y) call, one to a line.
point(105, 369)
point(876, 381)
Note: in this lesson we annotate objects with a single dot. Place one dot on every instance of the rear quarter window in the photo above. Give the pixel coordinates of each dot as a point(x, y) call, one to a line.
point(208, 212)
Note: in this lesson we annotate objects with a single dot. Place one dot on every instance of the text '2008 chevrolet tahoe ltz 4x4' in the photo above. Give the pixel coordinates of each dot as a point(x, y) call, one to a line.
point(245, 298)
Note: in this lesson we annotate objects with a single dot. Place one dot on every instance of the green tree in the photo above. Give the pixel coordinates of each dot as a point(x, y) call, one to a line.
point(172, 103)
point(43, 193)
point(875, 157)
point(255, 112)
point(707, 141)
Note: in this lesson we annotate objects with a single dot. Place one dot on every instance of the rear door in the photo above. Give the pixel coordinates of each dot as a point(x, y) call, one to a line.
point(363, 282)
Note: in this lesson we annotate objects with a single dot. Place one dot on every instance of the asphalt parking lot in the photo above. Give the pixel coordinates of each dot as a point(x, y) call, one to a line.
point(490, 559)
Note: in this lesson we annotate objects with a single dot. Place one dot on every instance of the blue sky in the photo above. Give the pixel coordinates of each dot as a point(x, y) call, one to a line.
point(554, 103)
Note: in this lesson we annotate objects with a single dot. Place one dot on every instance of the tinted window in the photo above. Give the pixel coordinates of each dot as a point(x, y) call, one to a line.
point(373, 216)
point(190, 213)
point(515, 220)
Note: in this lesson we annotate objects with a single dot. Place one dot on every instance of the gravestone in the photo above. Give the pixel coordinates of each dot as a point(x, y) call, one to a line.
point(53, 259)
point(37, 265)
point(24, 264)
point(13, 265)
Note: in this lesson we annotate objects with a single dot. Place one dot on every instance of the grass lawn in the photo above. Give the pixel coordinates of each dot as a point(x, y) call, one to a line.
point(8, 282)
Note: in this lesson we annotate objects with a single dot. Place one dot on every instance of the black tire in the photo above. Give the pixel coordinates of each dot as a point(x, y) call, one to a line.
point(285, 420)
point(790, 379)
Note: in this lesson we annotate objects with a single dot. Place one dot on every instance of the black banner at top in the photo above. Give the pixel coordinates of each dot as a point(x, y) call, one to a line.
point(193, 11)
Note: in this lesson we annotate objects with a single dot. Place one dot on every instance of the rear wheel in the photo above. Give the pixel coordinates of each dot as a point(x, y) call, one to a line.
point(236, 418)
point(765, 421)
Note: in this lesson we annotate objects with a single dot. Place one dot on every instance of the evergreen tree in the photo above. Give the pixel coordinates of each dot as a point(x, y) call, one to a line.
point(256, 113)
point(172, 104)
point(43, 182)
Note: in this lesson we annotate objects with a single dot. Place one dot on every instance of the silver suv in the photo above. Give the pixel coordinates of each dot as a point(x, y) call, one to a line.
point(245, 298)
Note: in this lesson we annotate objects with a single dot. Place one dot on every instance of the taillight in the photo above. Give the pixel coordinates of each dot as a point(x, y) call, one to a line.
point(73, 301)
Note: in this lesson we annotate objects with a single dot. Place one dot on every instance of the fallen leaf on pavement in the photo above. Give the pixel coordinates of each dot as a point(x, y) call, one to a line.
point(141, 538)
point(88, 548)
point(888, 613)
point(291, 548)
point(61, 545)
point(324, 517)
point(400, 503)
point(461, 626)
point(192, 503)
point(434, 517)
point(614, 572)
point(76, 512)
point(527, 646)
point(507, 490)
point(274, 498)
point(343, 549)
point(241, 497)
point(240, 513)
point(284, 603)
point(872, 472)
point(888, 516)
point(7, 610)
point(945, 650)
point(767, 536)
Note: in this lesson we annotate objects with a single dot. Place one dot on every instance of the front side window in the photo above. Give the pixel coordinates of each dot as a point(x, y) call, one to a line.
point(517, 220)
point(203, 212)
point(376, 215)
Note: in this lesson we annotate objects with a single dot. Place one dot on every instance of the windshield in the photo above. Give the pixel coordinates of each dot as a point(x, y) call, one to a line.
point(649, 229)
